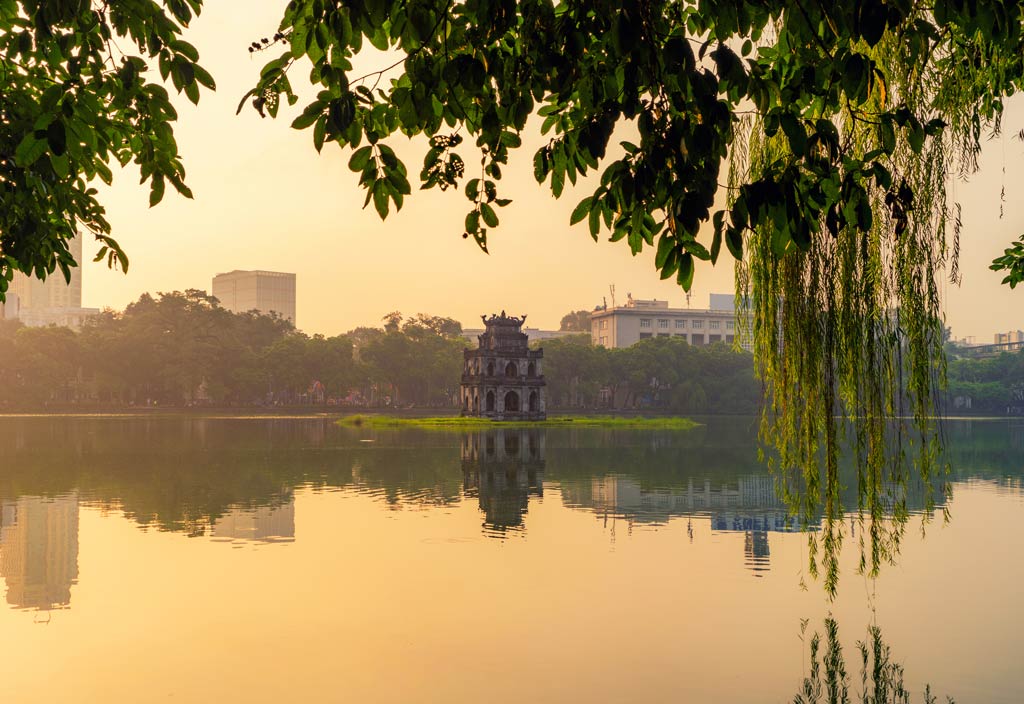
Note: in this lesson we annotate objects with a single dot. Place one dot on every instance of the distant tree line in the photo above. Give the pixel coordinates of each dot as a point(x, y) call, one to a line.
point(991, 385)
point(182, 349)
point(666, 374)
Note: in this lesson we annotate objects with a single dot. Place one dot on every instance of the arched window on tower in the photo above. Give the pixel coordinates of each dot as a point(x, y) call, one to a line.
point(511, 370)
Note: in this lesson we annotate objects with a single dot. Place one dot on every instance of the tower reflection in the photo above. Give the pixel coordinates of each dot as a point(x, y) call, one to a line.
point(39, 550)
point(264, 524)
point(503, 467)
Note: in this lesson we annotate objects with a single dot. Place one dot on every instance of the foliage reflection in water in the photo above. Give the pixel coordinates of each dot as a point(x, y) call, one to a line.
point(881, 678)
point(684, 521)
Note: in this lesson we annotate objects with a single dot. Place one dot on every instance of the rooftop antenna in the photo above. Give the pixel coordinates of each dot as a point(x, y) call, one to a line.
point(611, 289)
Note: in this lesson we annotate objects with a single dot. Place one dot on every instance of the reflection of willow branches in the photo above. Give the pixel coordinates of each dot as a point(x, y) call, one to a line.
point(881, 679)
point(877, 523)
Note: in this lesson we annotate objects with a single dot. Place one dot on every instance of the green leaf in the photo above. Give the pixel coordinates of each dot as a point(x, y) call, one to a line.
point(489, 216)
point(380, 199)
point(360, 158)
point(581, 210)
point(29, 151)
point(685, 276)
point(156, 190)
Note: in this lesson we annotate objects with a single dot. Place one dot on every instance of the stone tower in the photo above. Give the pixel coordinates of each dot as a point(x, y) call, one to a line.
point(502, 379)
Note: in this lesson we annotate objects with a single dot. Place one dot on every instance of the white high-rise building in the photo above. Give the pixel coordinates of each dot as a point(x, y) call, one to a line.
point(264, 291)
point(53, 301)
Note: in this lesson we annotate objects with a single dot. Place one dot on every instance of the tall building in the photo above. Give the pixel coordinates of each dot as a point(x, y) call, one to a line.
point(39, 550)
point(53, 301)
point(264, 291)
point(265, 524)
point(622, 326)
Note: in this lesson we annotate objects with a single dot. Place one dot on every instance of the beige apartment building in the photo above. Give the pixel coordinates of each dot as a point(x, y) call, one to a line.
point(622, 326)
point(264, 291)
point(1014, 337)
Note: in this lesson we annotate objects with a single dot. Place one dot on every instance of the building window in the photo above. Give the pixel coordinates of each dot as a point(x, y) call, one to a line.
point(714, 338)
point(603, 341)
point(645, 335)
point(664, 334)
point(698, 324)
point(696, 339)
point(662, 323)
point(645, 322)
point(680, 323)
point(715, 324)
point(730, 324)
point(603, 325)
point(729, 339)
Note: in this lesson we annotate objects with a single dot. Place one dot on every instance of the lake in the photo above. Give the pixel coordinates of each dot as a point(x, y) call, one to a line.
point(288, 559)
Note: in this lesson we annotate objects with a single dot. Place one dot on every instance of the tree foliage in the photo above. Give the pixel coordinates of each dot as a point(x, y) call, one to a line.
point(77, 97)
point(834, 125)
point(576, 321)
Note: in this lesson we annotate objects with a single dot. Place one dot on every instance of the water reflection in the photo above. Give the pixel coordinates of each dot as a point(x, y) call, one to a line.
point(384, 563)
point(39, 550)
point(264, 524)
point(829, 680)
point(235, 479)
point(503, 468)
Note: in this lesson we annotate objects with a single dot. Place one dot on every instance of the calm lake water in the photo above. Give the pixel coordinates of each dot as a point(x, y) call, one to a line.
point(286, 560)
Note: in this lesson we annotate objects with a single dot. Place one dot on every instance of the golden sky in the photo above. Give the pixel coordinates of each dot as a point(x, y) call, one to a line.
point(264, 199)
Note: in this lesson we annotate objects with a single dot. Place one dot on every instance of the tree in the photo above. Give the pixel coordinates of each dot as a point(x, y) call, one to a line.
point(576, 321)
point(75, 98)
point(839, 123)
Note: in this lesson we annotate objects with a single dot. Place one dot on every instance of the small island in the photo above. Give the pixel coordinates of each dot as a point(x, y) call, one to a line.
point(472, 423)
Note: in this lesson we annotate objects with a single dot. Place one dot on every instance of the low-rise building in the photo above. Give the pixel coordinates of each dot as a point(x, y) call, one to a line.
point(622, 326)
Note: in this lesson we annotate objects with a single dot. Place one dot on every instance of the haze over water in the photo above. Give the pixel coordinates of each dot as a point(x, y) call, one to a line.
point(269, 560)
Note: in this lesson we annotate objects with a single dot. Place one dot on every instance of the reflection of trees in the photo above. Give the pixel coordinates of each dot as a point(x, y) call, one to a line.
point(184, 474)
point(881, 678)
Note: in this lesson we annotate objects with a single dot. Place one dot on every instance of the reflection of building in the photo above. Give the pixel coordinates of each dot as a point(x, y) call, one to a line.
point(622, 326)
point(504, 467)
point(39, 550)
point(53, 301)
point(755, 550)
point(750, 505)
point(503, 379)
point(264, 291)
point(268, 524)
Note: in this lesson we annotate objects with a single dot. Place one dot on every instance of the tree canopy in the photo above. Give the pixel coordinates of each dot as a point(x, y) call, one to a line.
point(77, 97)
point(813, 140)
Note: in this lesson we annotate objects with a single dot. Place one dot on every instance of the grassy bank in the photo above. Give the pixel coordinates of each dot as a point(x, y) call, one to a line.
point(464, 423)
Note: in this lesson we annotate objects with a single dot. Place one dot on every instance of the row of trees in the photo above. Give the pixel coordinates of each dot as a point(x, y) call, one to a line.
point(183, 348)
point(993, 385)
point(661, 373)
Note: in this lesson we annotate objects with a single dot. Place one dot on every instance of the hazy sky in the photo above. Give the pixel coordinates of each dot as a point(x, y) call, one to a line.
point(265, 199)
